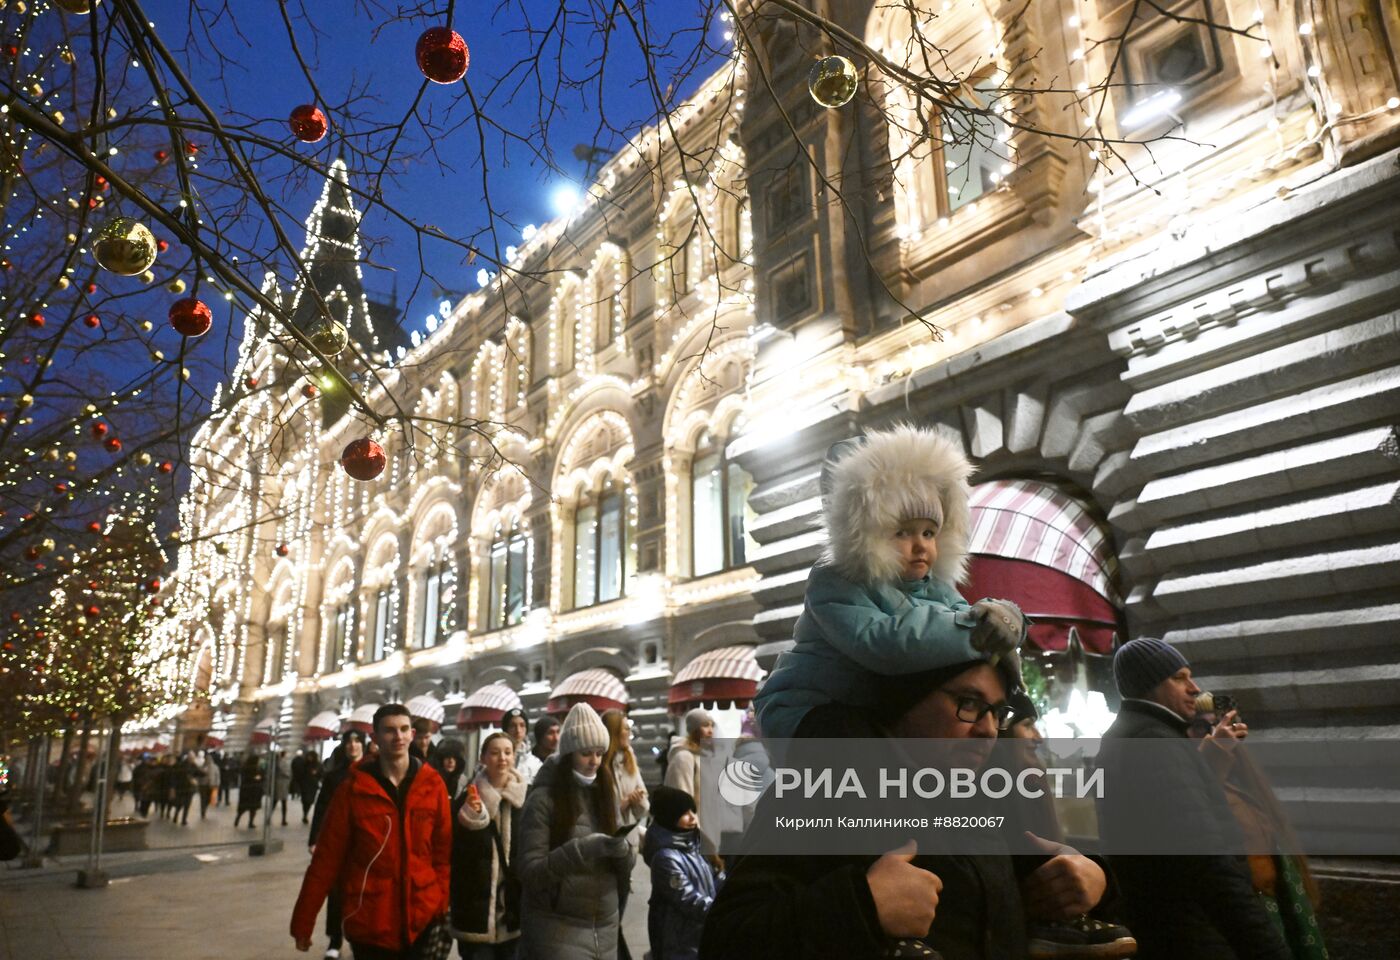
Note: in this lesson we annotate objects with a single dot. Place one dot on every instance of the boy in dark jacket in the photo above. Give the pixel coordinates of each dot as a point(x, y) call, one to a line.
point(683, 881)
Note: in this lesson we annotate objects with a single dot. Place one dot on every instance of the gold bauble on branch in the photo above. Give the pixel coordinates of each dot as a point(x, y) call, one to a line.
point(125, 246)
point(832, 81)
point(329, 336)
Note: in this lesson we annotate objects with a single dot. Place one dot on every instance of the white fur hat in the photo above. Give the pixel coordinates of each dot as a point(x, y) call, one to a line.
point(872, 484)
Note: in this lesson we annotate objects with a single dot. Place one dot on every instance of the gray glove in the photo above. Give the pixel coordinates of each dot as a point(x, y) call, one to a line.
point(600, 846)
point(1000, 627)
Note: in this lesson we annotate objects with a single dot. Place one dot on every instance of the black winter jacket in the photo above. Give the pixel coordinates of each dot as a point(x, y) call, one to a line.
point(482, 859)
point(1202, 907)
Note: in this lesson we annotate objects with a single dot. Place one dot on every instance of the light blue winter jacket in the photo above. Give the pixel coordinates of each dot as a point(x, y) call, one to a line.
point(849, 635)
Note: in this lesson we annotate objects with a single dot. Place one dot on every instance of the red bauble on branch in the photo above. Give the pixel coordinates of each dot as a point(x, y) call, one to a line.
point(99, 430)
point(283, 549)
point(442, 55)
point(166, 467)
point(309, 391)
point(92, 320)
point(37, 320)
point(114, 445)
point(191, 317)
point(308, 123)
point(153, 586)
point(250, 382)
point(363, 459)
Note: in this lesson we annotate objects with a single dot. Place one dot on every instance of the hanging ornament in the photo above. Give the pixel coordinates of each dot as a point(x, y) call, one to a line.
point(92, 320)
point(125, 246)
point(308, 123)
point(328, 335)
point(283, 550)
point(166, 466)
point(113, 444)
point(143, 459)
point(191, 317)
point(98, 430)
point(95, 527)
point(153, 586)
point(71, 456)
point(309, 391)
point(175, 286)
point(442, 55)
point(51, 454)
point(79, 7)
point(36, 320)
point(363, 459)
point(250, 382)
point(832, 81)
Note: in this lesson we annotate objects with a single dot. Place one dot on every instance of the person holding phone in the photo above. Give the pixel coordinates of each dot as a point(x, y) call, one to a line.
point(486, 821)
point(572, 868)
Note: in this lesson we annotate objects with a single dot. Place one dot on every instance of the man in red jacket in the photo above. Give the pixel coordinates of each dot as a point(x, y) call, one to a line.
point(387, 844)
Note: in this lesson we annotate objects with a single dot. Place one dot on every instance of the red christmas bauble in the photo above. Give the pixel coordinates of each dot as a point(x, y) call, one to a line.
point(250, 382)
point(166, 466)
point(309, 391)
point(162, 245)
point(93, 610)
point(91, 288)
point(36, 320)
point(153, 586)
point(363, 459)
point(113, 444)
point(99, 430)
point(308, 123)
point(191, 148)
point(93, 584)
point(283, 550)
point(60, 487)
point(442, 55)
point(191, 317)
point(162, 156)
point(92, 320)
point(95, 527)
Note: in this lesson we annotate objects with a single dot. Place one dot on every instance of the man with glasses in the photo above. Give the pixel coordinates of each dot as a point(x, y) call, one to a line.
point(966, 907)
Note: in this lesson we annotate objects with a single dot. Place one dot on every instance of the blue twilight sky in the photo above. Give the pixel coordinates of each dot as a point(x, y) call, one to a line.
point(247, 70)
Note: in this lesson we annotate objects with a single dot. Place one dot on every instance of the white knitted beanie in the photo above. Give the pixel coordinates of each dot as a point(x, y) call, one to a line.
point(582, 730)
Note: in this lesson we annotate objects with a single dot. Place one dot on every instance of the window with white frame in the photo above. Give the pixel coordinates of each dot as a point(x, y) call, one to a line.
point(277, 638)
point(383, 619)
point(974, 150)
point(507, 593)
point(601, 544)
point(719, 511)
point(435, 588)
point(338, 650)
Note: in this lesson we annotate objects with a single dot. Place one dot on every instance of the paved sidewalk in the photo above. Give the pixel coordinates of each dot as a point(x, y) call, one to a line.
point(206, 902)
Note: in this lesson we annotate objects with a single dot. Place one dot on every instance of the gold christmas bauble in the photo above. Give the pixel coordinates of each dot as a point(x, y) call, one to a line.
point(78, 7)
point(176, 286)
point(51, 454)
point(329, 336)
point(125, 246)
point(832, 81)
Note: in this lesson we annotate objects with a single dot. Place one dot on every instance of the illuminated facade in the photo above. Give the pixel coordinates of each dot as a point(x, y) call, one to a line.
point(1184, 370)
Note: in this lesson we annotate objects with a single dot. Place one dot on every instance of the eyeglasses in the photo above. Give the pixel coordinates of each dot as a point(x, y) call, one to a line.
point(973, 709)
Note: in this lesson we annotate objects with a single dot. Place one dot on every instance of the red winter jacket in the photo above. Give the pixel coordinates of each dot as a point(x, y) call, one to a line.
point(393, 882)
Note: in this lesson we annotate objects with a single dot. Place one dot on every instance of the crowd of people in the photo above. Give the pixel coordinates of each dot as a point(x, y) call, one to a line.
point(527, 849)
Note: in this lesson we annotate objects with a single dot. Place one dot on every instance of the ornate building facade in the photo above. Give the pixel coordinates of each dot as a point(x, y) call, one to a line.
point(1176, 369)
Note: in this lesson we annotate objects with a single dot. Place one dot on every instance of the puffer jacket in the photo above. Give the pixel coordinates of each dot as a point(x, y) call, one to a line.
point(570, 904)
point(1203, 907)
point(848, 635)
point(392, 868)
point(485, 889)
point(683, 887)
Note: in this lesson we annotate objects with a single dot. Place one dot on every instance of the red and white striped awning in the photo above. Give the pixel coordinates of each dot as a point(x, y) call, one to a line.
point(263, 732)
point(487, 706)
point(600, 688)
point(323, 726)
point(426, 707)
point(361, 719)
point(725, 676)
point(1039, 523)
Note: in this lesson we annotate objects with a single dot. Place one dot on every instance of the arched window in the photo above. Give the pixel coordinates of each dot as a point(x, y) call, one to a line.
point(437, 579)
point(719, 510)
point(974, 153)
point(680, 248)
point(278, 637)
point(507, 596)
point(563, 326)
point(339, 648)
point(384, 619)
point(600, 545)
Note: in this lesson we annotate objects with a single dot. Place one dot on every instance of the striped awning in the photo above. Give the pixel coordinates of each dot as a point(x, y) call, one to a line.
point(487, 706)
point(426, 707)
point(598, 687)
point(263, 732)
point(1063, 610)
point(1039, 523)
point(725, 676)
point(361, 719)
point(323, 726)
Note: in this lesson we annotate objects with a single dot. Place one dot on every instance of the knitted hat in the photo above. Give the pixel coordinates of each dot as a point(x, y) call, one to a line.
point(543, 725)
point(511, 714)
point(871, 485)
point(695, 719)
point(668, 805)
point(1141, 664)
point(583, 730)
